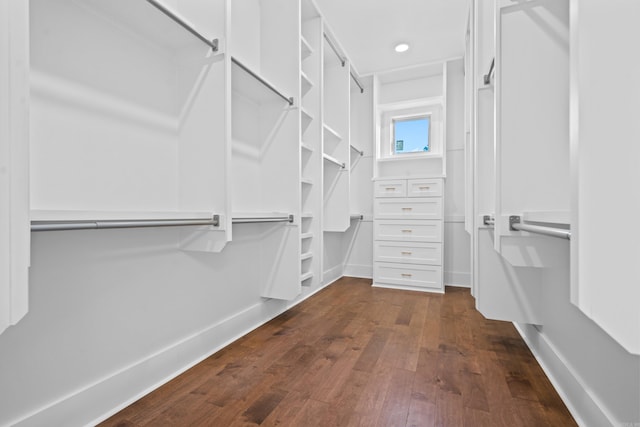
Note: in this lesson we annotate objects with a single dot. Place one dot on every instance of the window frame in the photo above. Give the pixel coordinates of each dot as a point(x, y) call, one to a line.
point(405, 118)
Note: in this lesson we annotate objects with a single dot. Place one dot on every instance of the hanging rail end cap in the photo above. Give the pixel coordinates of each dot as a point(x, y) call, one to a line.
point(291, 100)
point(215, 45)
point(487, 79)
point(513, 219)
point(216, 220)
point(291, 218)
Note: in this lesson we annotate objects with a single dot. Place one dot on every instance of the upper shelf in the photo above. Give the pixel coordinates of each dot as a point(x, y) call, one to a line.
point(305, 48)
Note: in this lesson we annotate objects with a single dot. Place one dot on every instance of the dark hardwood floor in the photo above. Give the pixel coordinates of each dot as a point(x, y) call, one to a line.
point(353, 355)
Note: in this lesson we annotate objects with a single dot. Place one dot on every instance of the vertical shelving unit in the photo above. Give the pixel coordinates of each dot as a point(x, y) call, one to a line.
point(336, 148)
point(265, 149)
point(310, 145)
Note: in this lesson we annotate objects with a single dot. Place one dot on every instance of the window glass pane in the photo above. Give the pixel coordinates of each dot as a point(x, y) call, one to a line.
point(411, 135)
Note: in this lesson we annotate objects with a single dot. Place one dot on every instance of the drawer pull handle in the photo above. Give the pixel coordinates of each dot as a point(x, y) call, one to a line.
point(407, 209)
point(407, 231)
point(406, 275)
point(424, 188)
point(406, 253)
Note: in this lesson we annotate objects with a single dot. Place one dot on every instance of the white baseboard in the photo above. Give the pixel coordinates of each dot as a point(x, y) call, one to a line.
point(583, 405)
point(361, 271)
point(103, 398)
point(333, 274)
point(458, 279)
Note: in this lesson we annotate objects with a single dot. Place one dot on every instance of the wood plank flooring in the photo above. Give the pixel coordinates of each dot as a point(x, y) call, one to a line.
point(354, 355)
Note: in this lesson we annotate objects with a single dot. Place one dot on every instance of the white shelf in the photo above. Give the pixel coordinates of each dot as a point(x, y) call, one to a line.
point(306, 215)
point(333, 160)
point(306, 256)
point(305, 236)
point(306, 276)
point(306, 83)
point(305, 48)
point(305, 114)
point(306, 181)
point(306, 147)
point(332, 133)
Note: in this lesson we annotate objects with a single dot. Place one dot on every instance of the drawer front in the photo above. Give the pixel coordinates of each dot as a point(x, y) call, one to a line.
point(409, 253)
point(417, 208)
point(424, 188)
point(408, 230)
point(408, 275)
point(391, 188)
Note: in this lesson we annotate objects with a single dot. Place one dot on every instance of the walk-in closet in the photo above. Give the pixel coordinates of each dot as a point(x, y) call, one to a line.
point(319, 212)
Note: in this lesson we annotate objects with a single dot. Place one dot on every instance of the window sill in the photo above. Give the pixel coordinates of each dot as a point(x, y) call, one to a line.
point(405, 157)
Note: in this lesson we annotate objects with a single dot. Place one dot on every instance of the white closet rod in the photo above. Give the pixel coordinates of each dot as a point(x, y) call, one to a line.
point(261, 80)
point(335, 50)
point(487, 77)
point(355, 79)
point(357, 151)
point(516, 224)
point(255, 220)
point(107, 224)
point(211, 43)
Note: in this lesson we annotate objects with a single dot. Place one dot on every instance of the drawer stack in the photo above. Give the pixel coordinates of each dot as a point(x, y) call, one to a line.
point(408, 234)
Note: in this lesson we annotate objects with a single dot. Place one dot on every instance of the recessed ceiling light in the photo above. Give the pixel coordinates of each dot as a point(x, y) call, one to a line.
point(402, 47)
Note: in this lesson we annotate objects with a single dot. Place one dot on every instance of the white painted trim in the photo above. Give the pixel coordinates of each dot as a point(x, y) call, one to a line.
point(408, 288)
point(584, 406)
point(359, 270)
point(333, 274)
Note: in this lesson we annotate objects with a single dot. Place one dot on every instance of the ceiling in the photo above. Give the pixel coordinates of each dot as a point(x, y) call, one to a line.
point(368, 30)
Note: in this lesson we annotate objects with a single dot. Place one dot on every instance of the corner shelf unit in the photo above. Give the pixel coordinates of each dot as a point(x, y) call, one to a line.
point(310, 78)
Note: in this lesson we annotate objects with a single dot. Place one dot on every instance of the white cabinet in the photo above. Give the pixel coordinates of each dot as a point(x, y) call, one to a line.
point(408, 234)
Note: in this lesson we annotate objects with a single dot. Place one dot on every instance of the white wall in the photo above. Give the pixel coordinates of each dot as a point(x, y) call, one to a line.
point(597, 378)
point(113, 313)
point(456, 257)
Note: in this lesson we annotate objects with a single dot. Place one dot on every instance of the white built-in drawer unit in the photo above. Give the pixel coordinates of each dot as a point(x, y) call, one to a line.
point(414, 275)
point(418, 208)
point(408, 230)
point(408, 234)
point(391, 188)
point(424, 188)
point(412, 253)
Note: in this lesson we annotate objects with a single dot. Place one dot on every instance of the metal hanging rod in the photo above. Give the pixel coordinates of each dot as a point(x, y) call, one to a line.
point(211, 43)
point(516, 224)
point(261, 80)
point(335, 50)
point(355, 79)
point(334, 161)
point(356, 150)
point(357, 216)
point(489, 220)
point(256, 220)
point(487, 77)
point(108, 224)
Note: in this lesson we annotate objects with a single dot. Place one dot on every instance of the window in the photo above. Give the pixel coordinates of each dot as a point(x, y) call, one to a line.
point(411, 134)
